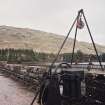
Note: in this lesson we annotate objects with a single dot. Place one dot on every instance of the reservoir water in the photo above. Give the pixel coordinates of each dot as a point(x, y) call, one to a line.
point(14, 93)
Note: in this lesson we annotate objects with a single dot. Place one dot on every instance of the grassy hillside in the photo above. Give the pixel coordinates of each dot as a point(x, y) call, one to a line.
point(23, 38)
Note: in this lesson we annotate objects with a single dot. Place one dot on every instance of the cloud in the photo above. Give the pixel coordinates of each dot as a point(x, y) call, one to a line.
point(54, 16)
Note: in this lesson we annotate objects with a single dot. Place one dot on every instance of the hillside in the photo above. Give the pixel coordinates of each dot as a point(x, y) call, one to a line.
point(24, 38)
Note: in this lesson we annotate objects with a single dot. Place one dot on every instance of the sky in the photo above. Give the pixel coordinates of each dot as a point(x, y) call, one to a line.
point(55, 16)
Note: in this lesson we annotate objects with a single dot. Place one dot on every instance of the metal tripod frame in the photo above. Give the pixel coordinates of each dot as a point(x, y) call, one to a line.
point(80, 13)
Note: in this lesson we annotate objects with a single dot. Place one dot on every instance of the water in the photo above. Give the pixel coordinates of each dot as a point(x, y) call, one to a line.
point(13, 93)
point(95, 63)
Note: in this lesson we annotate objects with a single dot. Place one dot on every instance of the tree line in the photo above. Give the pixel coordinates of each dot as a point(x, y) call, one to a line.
point(28, 55)
point(23, 55)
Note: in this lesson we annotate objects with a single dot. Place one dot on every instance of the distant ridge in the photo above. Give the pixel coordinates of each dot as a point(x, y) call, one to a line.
point(39, 41)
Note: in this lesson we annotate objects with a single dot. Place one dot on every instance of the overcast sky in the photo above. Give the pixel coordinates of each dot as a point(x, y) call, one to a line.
point(55, 16)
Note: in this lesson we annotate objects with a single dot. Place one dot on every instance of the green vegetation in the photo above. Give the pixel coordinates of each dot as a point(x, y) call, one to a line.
point(103, 57)
point(28, 55)
point(23, 55)
point(78, 56)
